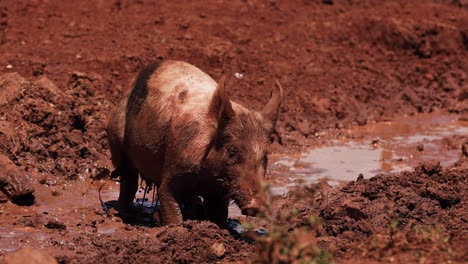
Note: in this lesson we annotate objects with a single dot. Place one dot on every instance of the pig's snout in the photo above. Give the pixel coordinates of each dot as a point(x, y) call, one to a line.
point(252, 208)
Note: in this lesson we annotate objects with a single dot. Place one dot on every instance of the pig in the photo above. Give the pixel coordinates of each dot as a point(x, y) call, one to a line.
point(177, 128)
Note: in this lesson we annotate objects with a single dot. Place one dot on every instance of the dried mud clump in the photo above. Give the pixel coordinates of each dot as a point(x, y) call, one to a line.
point(15, 185)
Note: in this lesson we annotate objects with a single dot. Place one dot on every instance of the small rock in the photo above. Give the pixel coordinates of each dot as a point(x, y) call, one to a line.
point(28, 255)
point(9, 66)
point(218, 249)
point(239, 75)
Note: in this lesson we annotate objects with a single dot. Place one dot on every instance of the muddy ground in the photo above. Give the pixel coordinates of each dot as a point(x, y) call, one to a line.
point(64, 65)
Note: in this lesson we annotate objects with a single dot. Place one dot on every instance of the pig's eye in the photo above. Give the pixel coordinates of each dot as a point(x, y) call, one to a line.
point(232, 156)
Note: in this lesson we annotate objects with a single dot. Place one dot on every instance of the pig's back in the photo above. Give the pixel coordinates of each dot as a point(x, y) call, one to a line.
point(180, 87)
point(171, 124)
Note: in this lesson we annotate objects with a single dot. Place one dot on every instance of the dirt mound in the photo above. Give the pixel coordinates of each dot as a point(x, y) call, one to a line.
point(53, 132)
point(398, 216)
point(413, 35)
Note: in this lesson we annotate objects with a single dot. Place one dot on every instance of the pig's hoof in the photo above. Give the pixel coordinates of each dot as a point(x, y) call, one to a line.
point(126, 211)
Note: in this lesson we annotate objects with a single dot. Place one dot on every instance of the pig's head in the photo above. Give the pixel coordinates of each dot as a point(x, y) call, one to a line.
point(238, 154)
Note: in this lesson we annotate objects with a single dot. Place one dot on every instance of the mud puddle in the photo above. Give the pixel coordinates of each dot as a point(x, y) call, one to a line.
point(386, 147)
point(73, 208)
point(57, 210)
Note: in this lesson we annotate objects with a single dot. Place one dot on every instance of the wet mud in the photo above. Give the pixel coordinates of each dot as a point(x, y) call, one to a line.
point(382, 147)
point(376, 102)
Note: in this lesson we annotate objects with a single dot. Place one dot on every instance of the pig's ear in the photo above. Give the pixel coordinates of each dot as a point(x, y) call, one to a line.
point(271, 110)
point(220, 106)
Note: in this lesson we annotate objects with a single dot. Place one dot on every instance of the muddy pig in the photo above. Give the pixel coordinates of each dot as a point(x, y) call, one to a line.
point(178, 129)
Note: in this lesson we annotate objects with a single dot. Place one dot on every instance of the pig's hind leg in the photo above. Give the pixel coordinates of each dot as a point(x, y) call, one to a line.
point(170, 212)
point(123, 167)
point(128, 187)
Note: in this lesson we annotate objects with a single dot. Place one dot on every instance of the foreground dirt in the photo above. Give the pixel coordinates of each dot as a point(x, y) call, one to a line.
point(65, 64)
point(414, 216)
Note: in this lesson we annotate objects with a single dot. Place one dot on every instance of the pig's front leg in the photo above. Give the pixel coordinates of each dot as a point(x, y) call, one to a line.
point(217, 210)
point(170, 212)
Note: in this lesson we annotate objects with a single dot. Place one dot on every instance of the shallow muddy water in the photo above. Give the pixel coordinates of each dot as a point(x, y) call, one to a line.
point(64, 209)
point(385, 147)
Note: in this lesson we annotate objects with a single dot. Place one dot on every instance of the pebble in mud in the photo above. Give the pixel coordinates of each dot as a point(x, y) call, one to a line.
point(218, 249)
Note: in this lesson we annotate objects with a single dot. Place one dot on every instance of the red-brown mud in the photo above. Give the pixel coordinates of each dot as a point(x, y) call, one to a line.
point(413, 216)
point(64, 65)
